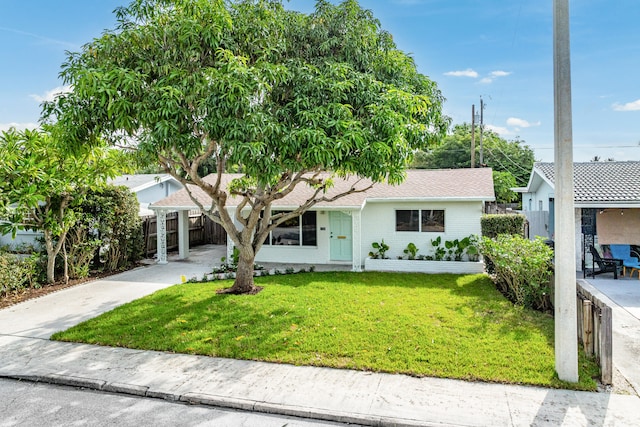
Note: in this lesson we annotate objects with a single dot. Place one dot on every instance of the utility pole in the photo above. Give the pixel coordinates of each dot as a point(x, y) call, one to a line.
point(566, 329)
point(481, 129)
point(473, 135)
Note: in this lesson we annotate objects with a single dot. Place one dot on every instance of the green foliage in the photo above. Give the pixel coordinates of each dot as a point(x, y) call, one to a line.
point(43, 178)
point(381, 249)
point(494, 225)
point(110, 216)
point(503, 182)
point(471, 247)
point(18, 272)
point(279, 95)
point(411, 251)
point(82, 246)
point(108, 234)
point(439, 251)
point(233, 262)
point(454, 250)
point(510, 159)
point(523, 269)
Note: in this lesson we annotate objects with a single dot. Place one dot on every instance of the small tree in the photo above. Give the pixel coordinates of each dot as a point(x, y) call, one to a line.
point(41, 180)
point(279, 95)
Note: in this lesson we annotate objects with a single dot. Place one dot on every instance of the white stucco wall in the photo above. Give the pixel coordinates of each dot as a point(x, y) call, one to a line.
point(531, 201)
point(154, 193)
point(379, 222)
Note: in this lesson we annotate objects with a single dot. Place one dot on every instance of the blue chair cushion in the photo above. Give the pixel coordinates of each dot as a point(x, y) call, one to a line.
point(623, 252)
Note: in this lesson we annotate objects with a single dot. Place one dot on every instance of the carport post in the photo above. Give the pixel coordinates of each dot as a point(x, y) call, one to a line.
point(183, 234)
point(161, 236)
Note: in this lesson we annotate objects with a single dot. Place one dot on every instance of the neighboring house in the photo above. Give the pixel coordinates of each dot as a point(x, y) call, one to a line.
point(428, 204)
point(606, 202)
point(148, 188)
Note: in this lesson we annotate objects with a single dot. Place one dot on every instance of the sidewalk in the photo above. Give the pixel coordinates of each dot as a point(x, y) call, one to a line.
point(321, 393)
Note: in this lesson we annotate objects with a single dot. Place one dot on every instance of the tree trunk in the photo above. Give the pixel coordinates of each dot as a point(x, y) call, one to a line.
point(243, 283)
point(51, 257)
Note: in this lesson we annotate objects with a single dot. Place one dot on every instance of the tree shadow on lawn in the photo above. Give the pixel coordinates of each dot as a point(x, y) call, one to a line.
point(167, 322)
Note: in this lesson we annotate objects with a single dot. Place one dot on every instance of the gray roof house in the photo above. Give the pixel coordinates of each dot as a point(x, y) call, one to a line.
point(148, 188)
point(606, 201)
point(428, 204)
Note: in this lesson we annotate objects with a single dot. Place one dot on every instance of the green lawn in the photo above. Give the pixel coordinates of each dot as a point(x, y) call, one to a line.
point(425, 325)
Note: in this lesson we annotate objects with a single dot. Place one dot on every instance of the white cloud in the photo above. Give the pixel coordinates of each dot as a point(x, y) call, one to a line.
point(463, 73)
point(521, 123)
point(494, 75)
point(499, 73)
point(629, 106)
point(19, 126)
point(51, 94)
point(502, 131)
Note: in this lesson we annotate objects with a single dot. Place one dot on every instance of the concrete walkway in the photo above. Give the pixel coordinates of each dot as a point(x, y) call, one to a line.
point(310, 392)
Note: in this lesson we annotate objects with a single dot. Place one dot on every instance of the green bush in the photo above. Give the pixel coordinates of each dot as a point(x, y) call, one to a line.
point(522, 269)
point(494, 225)
point(82, 249)
point(108, 236)
point(18, 273)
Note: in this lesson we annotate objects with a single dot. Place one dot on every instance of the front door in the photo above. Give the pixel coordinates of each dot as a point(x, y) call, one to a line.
point(341, 242)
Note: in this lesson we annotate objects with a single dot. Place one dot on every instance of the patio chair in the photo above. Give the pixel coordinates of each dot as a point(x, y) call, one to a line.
point(623, 252)
point(605, 265)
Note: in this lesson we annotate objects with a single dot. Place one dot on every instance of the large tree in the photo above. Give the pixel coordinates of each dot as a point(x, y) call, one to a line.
point(279, 95)
point(505, 157)
point(41, 180)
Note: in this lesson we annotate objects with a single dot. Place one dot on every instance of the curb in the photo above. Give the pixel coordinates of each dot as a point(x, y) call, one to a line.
point(225, 402)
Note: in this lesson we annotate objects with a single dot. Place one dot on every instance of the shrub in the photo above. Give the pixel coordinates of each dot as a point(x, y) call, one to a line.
point(18, 273)
point(411, 251)
point(522, 269)
point(494, 225)
point(380, 250)
point(111, 228)
point(82, 249)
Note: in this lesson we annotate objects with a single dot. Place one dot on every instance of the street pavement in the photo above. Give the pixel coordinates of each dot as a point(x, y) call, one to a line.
point(25, 403)
point(336, 395)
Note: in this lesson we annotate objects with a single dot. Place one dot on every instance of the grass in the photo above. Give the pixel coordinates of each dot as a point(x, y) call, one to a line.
point(451, 326)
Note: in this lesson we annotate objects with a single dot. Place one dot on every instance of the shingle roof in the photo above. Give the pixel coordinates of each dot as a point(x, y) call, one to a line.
point(605, 182)
point(445, 184)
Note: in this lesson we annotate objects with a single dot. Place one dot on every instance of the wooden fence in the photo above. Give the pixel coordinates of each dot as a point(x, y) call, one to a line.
point(202, 231)
point(595, 331)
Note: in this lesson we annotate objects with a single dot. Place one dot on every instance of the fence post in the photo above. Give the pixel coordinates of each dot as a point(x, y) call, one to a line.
point(606, 344)
point(587, 327)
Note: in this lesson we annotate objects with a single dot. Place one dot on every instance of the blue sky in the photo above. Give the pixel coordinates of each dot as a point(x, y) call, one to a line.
point(500, 50)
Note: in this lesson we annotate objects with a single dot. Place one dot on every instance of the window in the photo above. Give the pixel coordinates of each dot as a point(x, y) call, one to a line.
point(433, 221)
point(407, 221)
point(427, 220)
point(294, 232)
